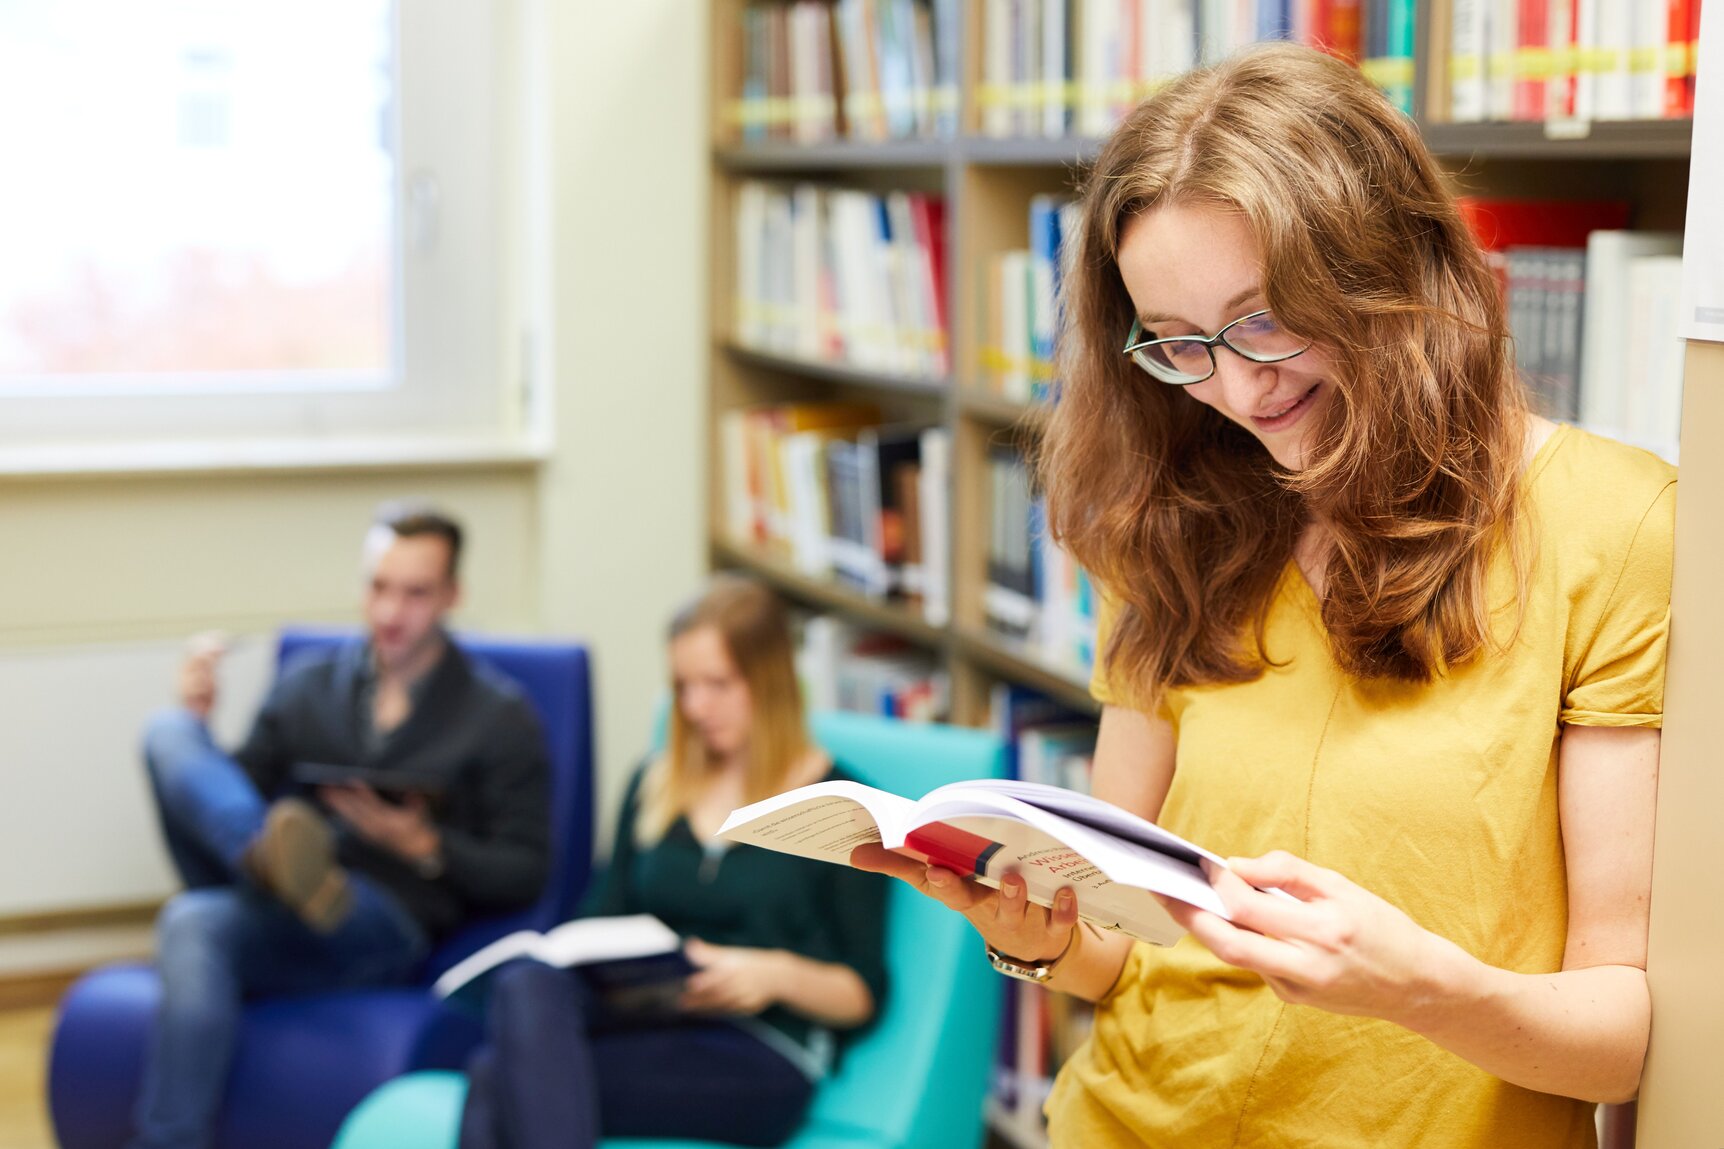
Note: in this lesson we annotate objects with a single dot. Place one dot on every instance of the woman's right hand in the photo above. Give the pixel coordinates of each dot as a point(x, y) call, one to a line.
point(1006, 918)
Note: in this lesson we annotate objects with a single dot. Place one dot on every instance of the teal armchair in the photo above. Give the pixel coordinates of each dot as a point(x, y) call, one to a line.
point(918, 1077)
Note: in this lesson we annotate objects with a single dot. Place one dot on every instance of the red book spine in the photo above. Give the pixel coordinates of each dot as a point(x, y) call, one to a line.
point(1693, 49)
point(1565, 61)
point(957, 850)
point(1678, 63)
point(1337, 28)
point(1532, 59)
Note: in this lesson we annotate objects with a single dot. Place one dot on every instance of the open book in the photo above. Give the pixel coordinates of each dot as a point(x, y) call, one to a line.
point(1052, 837)
point(635, 963)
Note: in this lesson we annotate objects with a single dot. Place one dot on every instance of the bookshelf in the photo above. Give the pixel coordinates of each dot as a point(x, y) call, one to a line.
point(987, 183)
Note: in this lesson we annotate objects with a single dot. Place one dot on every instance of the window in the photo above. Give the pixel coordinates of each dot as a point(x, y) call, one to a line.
point(261, 218)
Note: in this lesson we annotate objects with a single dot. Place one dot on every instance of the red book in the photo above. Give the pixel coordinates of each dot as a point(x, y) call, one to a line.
point(1498, 224)
point(959, 851)
point(1532, 58)
point(928, 221)
point(1678, 61)
point(1503, 223)
point(1335, 28)
point(1693, 49)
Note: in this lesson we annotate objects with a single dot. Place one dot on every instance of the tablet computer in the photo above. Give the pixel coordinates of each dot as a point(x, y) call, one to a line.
point(389, 783)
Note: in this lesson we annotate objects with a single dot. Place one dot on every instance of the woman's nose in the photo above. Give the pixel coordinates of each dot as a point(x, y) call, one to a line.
point(1243, 383)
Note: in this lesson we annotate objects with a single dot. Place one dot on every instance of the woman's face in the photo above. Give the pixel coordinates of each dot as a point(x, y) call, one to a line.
point(710, 691)
point(1191, 269)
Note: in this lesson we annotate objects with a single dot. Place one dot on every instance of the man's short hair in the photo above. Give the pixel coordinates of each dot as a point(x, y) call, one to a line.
point(407, 519)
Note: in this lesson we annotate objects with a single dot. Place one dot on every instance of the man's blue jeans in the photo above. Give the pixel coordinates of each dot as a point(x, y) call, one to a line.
point(223, 941)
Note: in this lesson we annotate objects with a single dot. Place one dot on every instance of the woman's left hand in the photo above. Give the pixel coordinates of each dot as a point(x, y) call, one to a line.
point(1331, 944)
point(736, 981)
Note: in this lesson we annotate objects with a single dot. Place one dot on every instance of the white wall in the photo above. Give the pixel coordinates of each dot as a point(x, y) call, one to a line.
point(100, 578)
point(623, 509)
point(75, 789)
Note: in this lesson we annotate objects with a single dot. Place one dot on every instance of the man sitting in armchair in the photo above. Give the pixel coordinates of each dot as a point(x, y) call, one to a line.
point(387, 792)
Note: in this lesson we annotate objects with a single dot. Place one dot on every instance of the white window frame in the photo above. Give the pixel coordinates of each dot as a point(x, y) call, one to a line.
point(464, 79)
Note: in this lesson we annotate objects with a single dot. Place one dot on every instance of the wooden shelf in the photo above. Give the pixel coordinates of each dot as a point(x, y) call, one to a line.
point(1000, 412)
point(903, 621)
point(1599, 140)
point(850, 376)
point(1013, 661)
point(1643, 139)
point(843, 155)
point(847, 155)
point(986, 151)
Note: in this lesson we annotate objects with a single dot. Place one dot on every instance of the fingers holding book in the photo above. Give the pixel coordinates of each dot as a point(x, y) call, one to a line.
point(1317, 938)
point(1005, 917)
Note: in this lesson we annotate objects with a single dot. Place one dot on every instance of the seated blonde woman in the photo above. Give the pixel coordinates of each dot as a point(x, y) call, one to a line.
point(790, 952)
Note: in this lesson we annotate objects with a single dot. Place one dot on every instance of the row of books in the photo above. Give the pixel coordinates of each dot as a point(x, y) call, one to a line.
point(843, 276)
point(829, 489)
point(1572, 59)
point(1036, 595)
point(821, 70)
point(1020, 311)
point(1049, 743)
point(1064, 67)
point(1594, 312)
point(843, 667)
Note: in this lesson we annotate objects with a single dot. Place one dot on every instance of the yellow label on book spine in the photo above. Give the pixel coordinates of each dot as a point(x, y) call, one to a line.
point(1533, 63)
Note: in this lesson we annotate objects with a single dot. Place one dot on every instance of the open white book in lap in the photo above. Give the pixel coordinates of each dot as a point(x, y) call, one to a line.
point(983, 829)
point(634, 963)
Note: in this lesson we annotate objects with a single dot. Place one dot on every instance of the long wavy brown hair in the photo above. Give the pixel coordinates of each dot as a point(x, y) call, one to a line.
point(1181, 515)
point(751, 622)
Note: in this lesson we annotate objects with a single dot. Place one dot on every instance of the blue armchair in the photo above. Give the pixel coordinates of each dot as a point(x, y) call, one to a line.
point(918, 1078)
point(304, 1062)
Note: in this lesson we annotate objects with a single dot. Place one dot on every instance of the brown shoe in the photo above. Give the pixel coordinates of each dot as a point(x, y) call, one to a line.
point(293, 859)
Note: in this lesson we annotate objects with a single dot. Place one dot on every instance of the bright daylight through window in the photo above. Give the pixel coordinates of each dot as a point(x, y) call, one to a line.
point(211, 194)
point(280, 222)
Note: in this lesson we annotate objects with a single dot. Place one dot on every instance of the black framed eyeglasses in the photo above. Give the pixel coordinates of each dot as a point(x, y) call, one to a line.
point(1187, 359)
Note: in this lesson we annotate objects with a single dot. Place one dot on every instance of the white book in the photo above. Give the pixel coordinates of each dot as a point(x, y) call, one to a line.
point(825, 640)
point(636, 962)
point(1016, 286)
point(803, 458)
point(935, 491)
point(807, 218)
point(1646, 60)
point(1055, 50)
point(1612, 94)
point(996, 106)
point(861, 323)
point(1113, 859)
point(1469, 49)
point(1653, 414)
point(1027, 68)
point(1098, 40)
point(913, 312)
point(1587, 64)
point(749, 330)
point(1663, 275)
point(738, 505)
point(1604, 366)
point(1504, 30)
point(1176, 33)
point(780, 262)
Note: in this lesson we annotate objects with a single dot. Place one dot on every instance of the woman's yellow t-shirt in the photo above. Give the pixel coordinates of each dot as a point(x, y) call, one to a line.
point(1441, 798)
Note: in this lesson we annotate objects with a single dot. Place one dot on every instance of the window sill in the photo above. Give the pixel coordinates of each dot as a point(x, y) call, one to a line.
point(269, 457)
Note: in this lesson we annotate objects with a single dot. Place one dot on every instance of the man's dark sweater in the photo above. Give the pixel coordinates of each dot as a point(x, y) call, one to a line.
point(470, 730)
